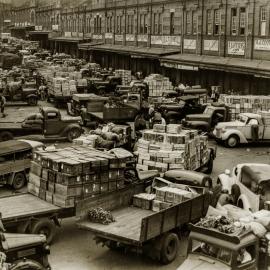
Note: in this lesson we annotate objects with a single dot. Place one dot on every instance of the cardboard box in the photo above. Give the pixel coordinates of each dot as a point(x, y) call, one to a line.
point(63, 201)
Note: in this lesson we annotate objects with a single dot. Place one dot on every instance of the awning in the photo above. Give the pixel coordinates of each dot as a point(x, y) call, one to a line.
point(145, 52)
point(41, 32)
point(68, 39)
point(227, 64)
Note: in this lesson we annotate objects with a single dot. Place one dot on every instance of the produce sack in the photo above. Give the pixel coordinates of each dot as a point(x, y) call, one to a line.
point(265, 221)
point(258, 229)
point(235, 212)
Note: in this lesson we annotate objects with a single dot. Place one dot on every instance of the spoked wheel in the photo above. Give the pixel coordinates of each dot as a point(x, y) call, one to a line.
point(170, 247)
point(232, 141)
point(18, 181)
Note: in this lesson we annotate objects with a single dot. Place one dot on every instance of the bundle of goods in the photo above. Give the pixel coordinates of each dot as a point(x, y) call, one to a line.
point(125, 75)
point(63, 87)
point(64, 176)
point(169, 147)
point(158, 85)
point(99, 215)
point(144, 200)
point(243, 104)
point(76, 75)
point(108, 136)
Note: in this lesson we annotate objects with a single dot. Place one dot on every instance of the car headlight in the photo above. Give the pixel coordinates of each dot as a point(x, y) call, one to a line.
point(47, 249)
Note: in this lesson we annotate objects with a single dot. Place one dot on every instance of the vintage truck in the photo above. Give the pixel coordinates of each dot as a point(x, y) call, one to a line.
point(226, 249)
point(24, 251)
point(248, 128)
point(41, 217)
point(156, 234)
point(248, 184)
point(207, 120)
point(15, 158)
point(48, 122)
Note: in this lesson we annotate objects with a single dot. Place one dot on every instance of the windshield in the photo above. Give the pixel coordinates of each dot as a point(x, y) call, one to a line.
point(212, 251)
point(242, 118)
point(209, 110)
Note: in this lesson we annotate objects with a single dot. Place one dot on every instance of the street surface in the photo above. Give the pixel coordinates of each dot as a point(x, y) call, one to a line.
point(75, 249)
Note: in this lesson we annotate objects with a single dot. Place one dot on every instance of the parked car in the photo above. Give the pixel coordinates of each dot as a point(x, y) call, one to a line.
point(249, 185)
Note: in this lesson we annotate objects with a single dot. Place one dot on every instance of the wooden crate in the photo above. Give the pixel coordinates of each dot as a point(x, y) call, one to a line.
point(51, 187)
point(69, 191)
point(36, 168)
point(34, 179)
point(63, 201)
point(67, 179)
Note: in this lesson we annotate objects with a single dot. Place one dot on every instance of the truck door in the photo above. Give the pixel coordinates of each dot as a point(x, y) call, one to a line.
point(53, 124)
point(247, 129)
point(219, 115)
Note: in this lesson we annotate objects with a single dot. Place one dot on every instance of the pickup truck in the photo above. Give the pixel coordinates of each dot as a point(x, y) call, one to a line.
point(226, 249)
point(248, 128)
point(25, 212)
point(154, 233)
point(248, 184)
point(207, 120)
point(24, 251)
point(48, 122)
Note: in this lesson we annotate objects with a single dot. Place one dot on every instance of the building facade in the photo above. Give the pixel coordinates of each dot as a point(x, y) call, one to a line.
point(207, 42)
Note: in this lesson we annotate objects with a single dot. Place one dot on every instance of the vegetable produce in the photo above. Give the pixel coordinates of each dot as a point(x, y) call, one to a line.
point(100, 215)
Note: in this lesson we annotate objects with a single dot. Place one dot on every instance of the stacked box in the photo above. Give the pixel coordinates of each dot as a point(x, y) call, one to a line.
point(158, 84)
point(143, 200)
point(182, 149)
point(245, 104)
point(125, 75)
point(67, 175)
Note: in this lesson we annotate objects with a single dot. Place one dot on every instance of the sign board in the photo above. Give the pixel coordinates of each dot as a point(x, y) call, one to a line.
point(166, 40)
point(262, 44)
point(211, 45)
point(179, 66)
point(67, 34)
point(190, 44)
point(80, 34)
point(38, 27)
point(130, 37)
point(142, 38)
point(118, 38)
point(108, 35)
point(55, 27)
point(95, 36)
point(236, 47)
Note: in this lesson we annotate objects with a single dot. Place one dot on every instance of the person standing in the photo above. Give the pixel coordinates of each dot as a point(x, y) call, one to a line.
point(2, 105)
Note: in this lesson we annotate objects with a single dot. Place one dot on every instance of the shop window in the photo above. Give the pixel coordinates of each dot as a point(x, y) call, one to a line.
point(263, 21)
point(171, 23)
point(217, 22)
point(188, 22)
point(242, 26)
point(209, 22)
point(130, 19)
point(143, 24)
point(159, 24)
point(195, 23)
point(234, 21)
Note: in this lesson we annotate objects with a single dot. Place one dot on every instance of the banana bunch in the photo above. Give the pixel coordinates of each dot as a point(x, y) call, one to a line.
point(100, 215)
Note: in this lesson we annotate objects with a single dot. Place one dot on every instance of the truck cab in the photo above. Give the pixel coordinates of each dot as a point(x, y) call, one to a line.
point(211, 250)
point(241, 130)
point(248, 184)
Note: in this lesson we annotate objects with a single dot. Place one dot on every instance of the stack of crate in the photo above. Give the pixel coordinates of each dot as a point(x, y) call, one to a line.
point(124, 74)
point(171, 147)
point(67, 175)
point(245, 104)
point(158, 84)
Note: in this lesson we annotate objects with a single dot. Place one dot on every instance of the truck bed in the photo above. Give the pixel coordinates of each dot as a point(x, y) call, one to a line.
point(10, 125)
point(127, 224)
point(24, 205)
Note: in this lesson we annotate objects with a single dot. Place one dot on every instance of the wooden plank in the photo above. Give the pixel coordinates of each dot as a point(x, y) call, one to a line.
point(127, 225)
point(24, 205)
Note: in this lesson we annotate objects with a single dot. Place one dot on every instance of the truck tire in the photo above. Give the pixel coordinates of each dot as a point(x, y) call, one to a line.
point(6, 136)
point(26, 265)
point(32, 101)
point(44, 226)
point(232, 141)
point(112, 245)
point(19, 181)
point(169, 249)
point(235, 192)
point(73, 134)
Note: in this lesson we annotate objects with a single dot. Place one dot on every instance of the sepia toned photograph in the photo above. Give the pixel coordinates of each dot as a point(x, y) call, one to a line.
point(134, 134)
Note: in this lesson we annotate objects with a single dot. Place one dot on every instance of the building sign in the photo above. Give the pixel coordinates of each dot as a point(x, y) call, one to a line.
point(67, 34)
point(236, 47)
point(190, 44)
point(211, 45)
point(95, 36)
point(179, 66)
point(80, 35)
point(109, 35)
point(130, 37)
point(262, 44)
point(55, 27)
point(166, 40)
point(142, 38)
point(118, 38)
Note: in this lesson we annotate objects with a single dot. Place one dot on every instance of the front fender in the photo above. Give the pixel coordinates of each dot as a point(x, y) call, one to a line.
point(69, 127)
point(226, 182)
point(236, 132)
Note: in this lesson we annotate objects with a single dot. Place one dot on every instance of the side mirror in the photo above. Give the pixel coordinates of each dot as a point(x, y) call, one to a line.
point(227, 172)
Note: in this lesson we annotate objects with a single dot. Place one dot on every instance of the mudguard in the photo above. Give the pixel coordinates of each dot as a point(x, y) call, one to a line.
point(69, 127)
point(236, 132)
point(197, 124)
point(245, 202)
